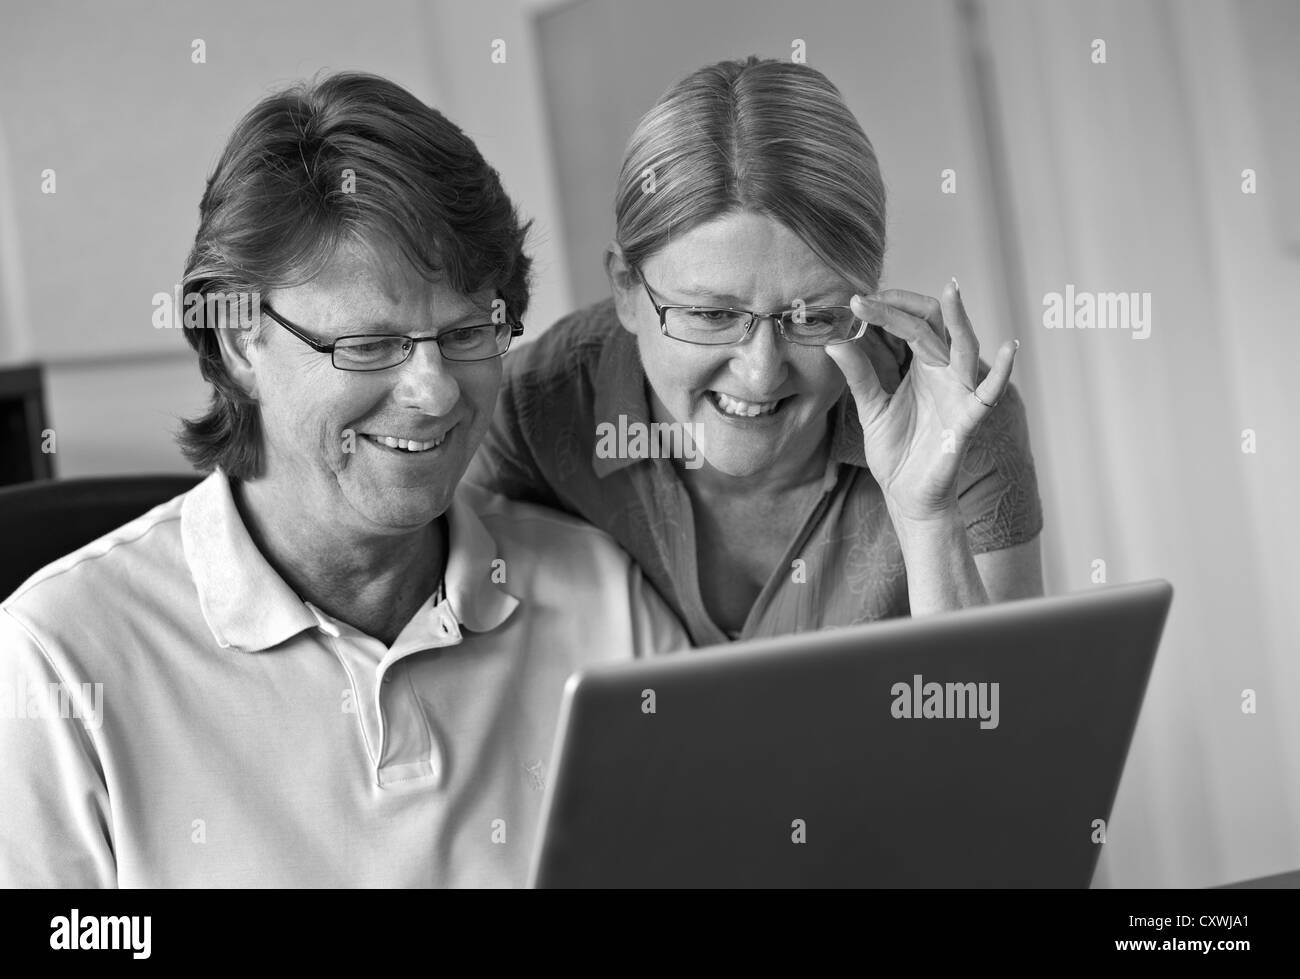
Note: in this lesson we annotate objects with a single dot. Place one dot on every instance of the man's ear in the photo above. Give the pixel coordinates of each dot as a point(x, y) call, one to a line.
point(233, 344)
point(625, 284)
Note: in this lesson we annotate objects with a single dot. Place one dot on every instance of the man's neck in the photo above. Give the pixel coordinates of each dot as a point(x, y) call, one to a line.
point(375, 585)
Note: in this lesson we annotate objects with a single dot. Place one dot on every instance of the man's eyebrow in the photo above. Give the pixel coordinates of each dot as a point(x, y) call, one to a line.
point(470, 317)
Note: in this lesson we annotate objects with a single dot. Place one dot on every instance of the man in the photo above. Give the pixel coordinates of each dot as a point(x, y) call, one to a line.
point(328, 664)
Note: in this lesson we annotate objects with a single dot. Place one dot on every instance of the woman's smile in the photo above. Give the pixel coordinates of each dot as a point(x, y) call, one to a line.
point(745, 408)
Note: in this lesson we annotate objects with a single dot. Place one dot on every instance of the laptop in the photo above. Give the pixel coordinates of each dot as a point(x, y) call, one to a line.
point(978, 748)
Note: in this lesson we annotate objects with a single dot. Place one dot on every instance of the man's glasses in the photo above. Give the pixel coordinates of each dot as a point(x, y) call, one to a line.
point(807, 326)
point(378, 351)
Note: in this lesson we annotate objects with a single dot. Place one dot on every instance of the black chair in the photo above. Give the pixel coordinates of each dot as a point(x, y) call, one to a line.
point(42, 521)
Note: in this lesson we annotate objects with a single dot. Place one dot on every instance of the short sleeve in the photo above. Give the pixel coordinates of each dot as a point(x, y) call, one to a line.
point(997, 489)
point(55, 820)
point(504, 463)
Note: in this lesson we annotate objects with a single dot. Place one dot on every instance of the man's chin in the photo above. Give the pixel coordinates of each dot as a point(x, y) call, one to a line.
point(403, 509)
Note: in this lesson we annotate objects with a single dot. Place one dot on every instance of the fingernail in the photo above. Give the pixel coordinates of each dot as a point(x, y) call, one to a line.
point(956, 288)
point(1017, 343)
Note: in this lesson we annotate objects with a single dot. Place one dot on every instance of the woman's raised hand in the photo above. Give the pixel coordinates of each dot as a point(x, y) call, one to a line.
point(915, 438)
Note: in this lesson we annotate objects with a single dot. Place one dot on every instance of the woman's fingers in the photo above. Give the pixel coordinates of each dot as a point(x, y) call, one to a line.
point(991, 389)
point(914, 327)
point(867, 392)
point(965, 347)
point(941, 334)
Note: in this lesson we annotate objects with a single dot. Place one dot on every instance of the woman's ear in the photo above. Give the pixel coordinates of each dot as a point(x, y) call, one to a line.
point(625, 284)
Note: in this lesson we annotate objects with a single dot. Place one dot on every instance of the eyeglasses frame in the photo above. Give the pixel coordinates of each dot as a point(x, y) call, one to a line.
point(516, 330)
point(754, 317)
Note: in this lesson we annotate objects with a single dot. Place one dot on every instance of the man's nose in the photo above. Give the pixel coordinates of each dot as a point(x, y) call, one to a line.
point(424, 381)
point(760, 361)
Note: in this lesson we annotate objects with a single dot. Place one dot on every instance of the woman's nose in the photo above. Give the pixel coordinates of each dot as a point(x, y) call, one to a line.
point(424, 381)
point(760, 361)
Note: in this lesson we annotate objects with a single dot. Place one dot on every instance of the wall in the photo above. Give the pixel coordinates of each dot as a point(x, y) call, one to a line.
point(1127, 175)
point(108, 97)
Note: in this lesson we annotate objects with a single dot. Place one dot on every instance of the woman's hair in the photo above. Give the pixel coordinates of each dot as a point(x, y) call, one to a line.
point(772, 137)
point(348, 158)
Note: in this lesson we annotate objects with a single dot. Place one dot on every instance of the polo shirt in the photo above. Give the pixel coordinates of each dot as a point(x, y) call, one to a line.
point(172, 714)
point(586, 370)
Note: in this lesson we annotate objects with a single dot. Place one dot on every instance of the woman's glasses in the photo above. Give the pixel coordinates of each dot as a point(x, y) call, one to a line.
point(807, 326)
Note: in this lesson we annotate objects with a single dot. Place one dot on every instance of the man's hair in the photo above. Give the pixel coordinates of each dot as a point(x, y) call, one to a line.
point(344, 158)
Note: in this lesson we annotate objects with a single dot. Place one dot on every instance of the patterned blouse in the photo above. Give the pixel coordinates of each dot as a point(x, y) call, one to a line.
point(586, 369)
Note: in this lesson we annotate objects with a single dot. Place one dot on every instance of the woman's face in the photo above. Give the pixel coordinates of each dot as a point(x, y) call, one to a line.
point(761, 406)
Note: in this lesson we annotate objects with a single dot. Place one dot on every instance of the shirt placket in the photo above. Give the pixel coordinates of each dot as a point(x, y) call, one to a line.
point(402, 745)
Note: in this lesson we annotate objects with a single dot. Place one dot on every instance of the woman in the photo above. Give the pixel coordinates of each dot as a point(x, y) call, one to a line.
point(830, 472)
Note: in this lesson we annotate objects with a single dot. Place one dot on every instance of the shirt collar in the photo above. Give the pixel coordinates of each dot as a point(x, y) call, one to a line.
point(620, 384)
point(479, 603)
point(620, 390)
point(248, 606)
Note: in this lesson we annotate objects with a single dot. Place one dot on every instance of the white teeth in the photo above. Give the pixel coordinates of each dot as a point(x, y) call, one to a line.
point(746, 409)
point(409, 445)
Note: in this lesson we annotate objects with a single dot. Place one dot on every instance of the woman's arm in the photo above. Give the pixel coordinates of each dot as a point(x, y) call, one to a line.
point(1013, 572)
point(942, 575)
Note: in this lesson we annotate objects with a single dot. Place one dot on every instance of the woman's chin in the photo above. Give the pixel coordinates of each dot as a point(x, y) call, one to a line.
point(739, 465)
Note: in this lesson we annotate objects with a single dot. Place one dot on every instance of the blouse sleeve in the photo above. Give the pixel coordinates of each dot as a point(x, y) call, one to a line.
point(997, 488)
point(504, 462)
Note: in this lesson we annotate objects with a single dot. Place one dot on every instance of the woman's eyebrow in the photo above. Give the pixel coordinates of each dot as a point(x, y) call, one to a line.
point(815, 297)
point(704, 292)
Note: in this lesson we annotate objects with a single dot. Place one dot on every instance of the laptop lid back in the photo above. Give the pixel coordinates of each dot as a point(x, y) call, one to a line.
point(980, 748)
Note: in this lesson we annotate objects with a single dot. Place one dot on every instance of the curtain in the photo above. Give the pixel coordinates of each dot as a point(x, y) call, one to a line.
point(1127, 176)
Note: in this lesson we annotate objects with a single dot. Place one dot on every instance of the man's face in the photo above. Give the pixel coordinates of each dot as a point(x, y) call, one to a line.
point(323, 427)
